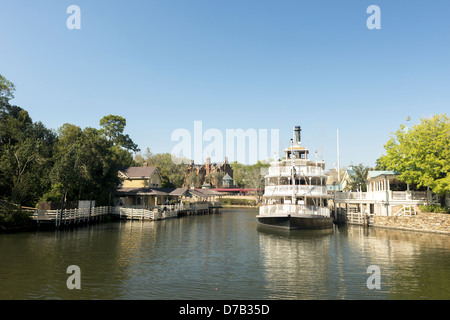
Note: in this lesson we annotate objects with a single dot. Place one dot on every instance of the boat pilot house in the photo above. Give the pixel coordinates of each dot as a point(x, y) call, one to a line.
point(141, 188)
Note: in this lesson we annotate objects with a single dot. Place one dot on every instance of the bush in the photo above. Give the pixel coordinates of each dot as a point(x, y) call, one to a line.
point(14, 217)
point(434, 208)
point(238, 202)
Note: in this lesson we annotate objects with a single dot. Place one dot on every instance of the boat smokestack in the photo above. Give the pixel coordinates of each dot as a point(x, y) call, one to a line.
point(297, 131)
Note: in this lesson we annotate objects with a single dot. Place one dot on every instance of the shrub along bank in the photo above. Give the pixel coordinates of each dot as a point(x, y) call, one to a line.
point(14, 219)
point(228, 202)
point(434, 208)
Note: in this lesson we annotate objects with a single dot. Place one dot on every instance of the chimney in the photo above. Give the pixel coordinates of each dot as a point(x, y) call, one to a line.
point(297, 131)
point(145, 164)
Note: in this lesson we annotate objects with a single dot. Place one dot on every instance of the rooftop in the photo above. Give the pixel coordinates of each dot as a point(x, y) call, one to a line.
point(138, 172)
point(374, 174)
point(166, 192)
point(227, 177)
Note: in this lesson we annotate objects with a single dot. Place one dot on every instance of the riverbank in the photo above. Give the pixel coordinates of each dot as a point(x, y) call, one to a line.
point(17, 229)
point(13, 219)
point(430, 222)
point(424, 222)
point(240, 201)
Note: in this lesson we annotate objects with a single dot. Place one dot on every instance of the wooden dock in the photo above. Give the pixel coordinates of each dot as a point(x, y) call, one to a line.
point(162, 212)
point(69, 217)
point(73, 217)
point(354, 217)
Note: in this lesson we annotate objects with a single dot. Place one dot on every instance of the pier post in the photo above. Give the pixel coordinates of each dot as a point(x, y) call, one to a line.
point(90, 207)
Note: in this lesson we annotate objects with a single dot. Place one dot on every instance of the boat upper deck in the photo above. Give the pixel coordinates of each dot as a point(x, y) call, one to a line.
point(303, 167)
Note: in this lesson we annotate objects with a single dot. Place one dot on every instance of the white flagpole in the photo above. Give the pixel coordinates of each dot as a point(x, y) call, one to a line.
point(338, 159)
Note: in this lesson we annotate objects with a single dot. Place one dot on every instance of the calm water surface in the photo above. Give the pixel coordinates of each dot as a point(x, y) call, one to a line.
point(223, 256)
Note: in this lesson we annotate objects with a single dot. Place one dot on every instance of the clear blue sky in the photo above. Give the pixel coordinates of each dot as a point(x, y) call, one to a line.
point(260, 64)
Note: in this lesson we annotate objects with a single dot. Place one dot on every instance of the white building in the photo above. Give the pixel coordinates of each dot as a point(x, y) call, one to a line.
point(385, 196)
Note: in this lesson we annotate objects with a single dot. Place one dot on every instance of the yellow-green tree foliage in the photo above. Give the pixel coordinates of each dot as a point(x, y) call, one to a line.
point(421, 153)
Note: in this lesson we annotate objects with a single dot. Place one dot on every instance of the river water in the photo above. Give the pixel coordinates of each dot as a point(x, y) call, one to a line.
point(224, 256)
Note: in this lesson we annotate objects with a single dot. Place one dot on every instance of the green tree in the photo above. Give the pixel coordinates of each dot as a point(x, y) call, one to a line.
point(113, 127)
point(238, 174)
point(6, 88)
point(25, 153)
point(217, 179)
point(37, 164)
point(421, 154)
point(85, 165)
point(254, 177)
point(249, 176)
point(194, 180)
point(379, 166)
point(172, 173)
point(358, 179)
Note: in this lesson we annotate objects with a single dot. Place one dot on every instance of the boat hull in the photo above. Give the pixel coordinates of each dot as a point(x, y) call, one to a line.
point(296, 221)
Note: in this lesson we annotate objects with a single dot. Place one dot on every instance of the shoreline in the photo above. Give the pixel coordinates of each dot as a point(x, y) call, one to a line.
point(447, 233)
point(424, 222)
point(239, 206)
point(6, 230)
point(429, 222)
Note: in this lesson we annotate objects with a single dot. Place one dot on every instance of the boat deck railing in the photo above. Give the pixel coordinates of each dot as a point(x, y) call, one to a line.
point(283, 190)
point(419, 196)
point(273, 209)
point(299, 170)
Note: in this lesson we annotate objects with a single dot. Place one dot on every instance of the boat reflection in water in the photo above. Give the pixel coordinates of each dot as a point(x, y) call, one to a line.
point(297, 263)
point(293, 234)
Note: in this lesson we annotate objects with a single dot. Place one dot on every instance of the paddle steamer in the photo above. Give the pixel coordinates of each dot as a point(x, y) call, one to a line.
point(295, 195)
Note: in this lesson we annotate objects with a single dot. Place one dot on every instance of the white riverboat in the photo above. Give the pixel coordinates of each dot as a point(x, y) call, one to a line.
point(295, 195)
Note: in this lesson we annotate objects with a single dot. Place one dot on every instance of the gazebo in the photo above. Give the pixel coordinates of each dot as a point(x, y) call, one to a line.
point(227, 181)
